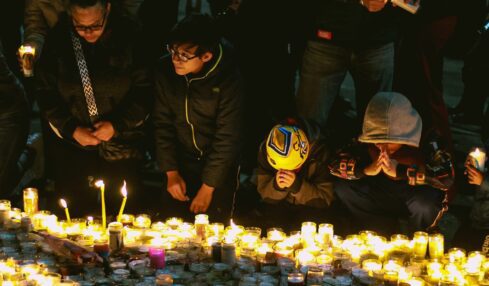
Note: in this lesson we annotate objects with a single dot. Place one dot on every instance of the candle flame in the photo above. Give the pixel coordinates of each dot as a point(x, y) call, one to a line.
point(124, 190)
point(27, 50)
point(62, 202)
point(231, 223)
point(99, 183)
point(477, 152)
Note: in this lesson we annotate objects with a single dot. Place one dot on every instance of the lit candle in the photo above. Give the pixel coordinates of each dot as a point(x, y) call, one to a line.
point(326, 232)
point(100, 184)
point(26, 54)
point(63, 204)
point(474, 262)
point(142, 221)
point(420, 244)
point(304, 257)
point(416, 281)
point(201, 223)
point(478, 158)
point(434, 270)
point(372, 266)
point(436, 245)
point(456, 255)
point(174, 222)
point(275, 234)
point(4, 211)
point(124, 199)
point(31, 201)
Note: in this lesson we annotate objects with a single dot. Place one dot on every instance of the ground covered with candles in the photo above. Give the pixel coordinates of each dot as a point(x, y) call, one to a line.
point(40, 250)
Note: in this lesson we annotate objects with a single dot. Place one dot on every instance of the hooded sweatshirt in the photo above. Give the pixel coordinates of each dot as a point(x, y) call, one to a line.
point(390, 118)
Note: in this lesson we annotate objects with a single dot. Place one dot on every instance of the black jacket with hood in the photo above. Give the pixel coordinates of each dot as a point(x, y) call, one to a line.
point(200, 116)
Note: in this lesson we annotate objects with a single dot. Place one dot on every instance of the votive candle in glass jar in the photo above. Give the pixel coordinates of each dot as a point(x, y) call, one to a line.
point(436, 245)
point(142, 221)
point(31, 201)
point(420, 244)
point(5, 207)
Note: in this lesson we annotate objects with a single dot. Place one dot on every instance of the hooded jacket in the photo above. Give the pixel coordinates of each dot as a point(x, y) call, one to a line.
point(313, 185)
point(390, 118)
point(480, 209)
point(200, 116)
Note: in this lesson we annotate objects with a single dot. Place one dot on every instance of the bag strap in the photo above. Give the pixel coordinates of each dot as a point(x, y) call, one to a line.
point(85, 78)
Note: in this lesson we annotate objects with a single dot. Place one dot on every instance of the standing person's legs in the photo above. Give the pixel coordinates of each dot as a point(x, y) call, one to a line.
point(372, 71)
point(14, 127)
point(324, 68)
point(423, 204)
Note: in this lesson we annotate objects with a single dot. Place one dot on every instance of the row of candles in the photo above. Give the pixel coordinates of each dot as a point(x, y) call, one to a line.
point(313, 245)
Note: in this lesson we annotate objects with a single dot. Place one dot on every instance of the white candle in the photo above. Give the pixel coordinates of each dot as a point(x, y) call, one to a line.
point(478, 159)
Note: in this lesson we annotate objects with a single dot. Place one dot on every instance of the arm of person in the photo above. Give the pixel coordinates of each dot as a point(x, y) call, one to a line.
point(35, 26)
point(350, 162)
point(165, 132)
point(225, 147)
point(317, 190)
point(267, 185)
point(50, 101)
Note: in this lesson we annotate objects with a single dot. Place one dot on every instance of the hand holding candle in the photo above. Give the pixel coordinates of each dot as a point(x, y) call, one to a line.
point(26, 58)
point(100, 184)
point(63, 204)
point(478, 159)
point(124, 199)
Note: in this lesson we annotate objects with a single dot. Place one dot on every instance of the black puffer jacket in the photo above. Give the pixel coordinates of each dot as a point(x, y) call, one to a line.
point(200, 116)
point(121, 84)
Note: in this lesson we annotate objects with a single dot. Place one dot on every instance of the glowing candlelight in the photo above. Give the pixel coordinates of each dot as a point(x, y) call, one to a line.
point(63, 204)
point(100, 184)
point(436, 245)
point(478, 159)
point(31, 201)
point(124, 199)
point(420, 244)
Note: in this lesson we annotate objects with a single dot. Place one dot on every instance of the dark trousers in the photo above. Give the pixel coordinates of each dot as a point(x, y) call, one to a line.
point(324, 68)
point(222, 204)
point(14, 127)
point(377, 203)
point(75, 171)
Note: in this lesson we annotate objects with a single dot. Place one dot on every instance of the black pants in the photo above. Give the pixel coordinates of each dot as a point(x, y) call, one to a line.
point(222, 204)
point(377, 203)
point(75, 171)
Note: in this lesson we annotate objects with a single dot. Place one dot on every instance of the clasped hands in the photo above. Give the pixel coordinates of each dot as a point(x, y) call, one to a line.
point(102, 131)
point(383, 164)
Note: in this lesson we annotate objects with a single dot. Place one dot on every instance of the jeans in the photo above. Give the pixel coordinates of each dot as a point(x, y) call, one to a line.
point(324, 68)
point(377, 203)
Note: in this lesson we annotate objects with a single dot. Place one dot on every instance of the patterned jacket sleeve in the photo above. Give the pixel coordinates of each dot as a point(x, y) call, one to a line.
point(349, 162)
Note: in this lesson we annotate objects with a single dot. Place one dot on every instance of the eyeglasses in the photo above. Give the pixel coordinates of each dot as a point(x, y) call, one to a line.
point(92, 28)
point(180, 56)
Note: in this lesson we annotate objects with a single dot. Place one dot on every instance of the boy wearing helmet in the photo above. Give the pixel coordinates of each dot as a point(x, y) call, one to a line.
point(292, 169)
point(391, 173)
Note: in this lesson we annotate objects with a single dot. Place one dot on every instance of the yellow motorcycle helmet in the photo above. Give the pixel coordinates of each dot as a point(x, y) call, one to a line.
point(287, 147)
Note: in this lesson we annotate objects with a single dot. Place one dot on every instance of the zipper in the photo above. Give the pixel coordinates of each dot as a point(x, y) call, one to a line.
point(188, 120)
point(192, 129)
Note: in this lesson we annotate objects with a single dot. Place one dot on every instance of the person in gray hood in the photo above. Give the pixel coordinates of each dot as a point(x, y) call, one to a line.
point(392, 172)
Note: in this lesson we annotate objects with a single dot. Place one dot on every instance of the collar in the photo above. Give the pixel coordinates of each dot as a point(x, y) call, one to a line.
point(208, 68)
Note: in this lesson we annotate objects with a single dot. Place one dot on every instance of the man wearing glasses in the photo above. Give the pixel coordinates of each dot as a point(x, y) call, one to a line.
point(197, 117)
point(95, 92)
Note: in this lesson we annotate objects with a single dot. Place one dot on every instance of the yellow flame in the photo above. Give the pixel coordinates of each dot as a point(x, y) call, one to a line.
point(99, 183)
point(124, 190)
point(62, 202)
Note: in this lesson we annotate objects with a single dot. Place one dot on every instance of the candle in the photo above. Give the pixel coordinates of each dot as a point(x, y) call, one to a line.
point(174, 222)
point(4, 211)
point(420, 244)
point(63, 204)
point(478, 159)
point(100, 184)
point(124, 199)
point(127, 219)
point(275, 234)
point(215, 229)
point(115, 236)
point(434, 270)
point(304, 257)
point(372, 266)
point(295, 279)
point(456, 255)
point(436, 245)
point(31, 201)
point(142, 221)
point(416, 281)
point(228, 254)
point(326, 232)
point(201, 223)
point(474, 262)
point(157, 257)
point(26, 54)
